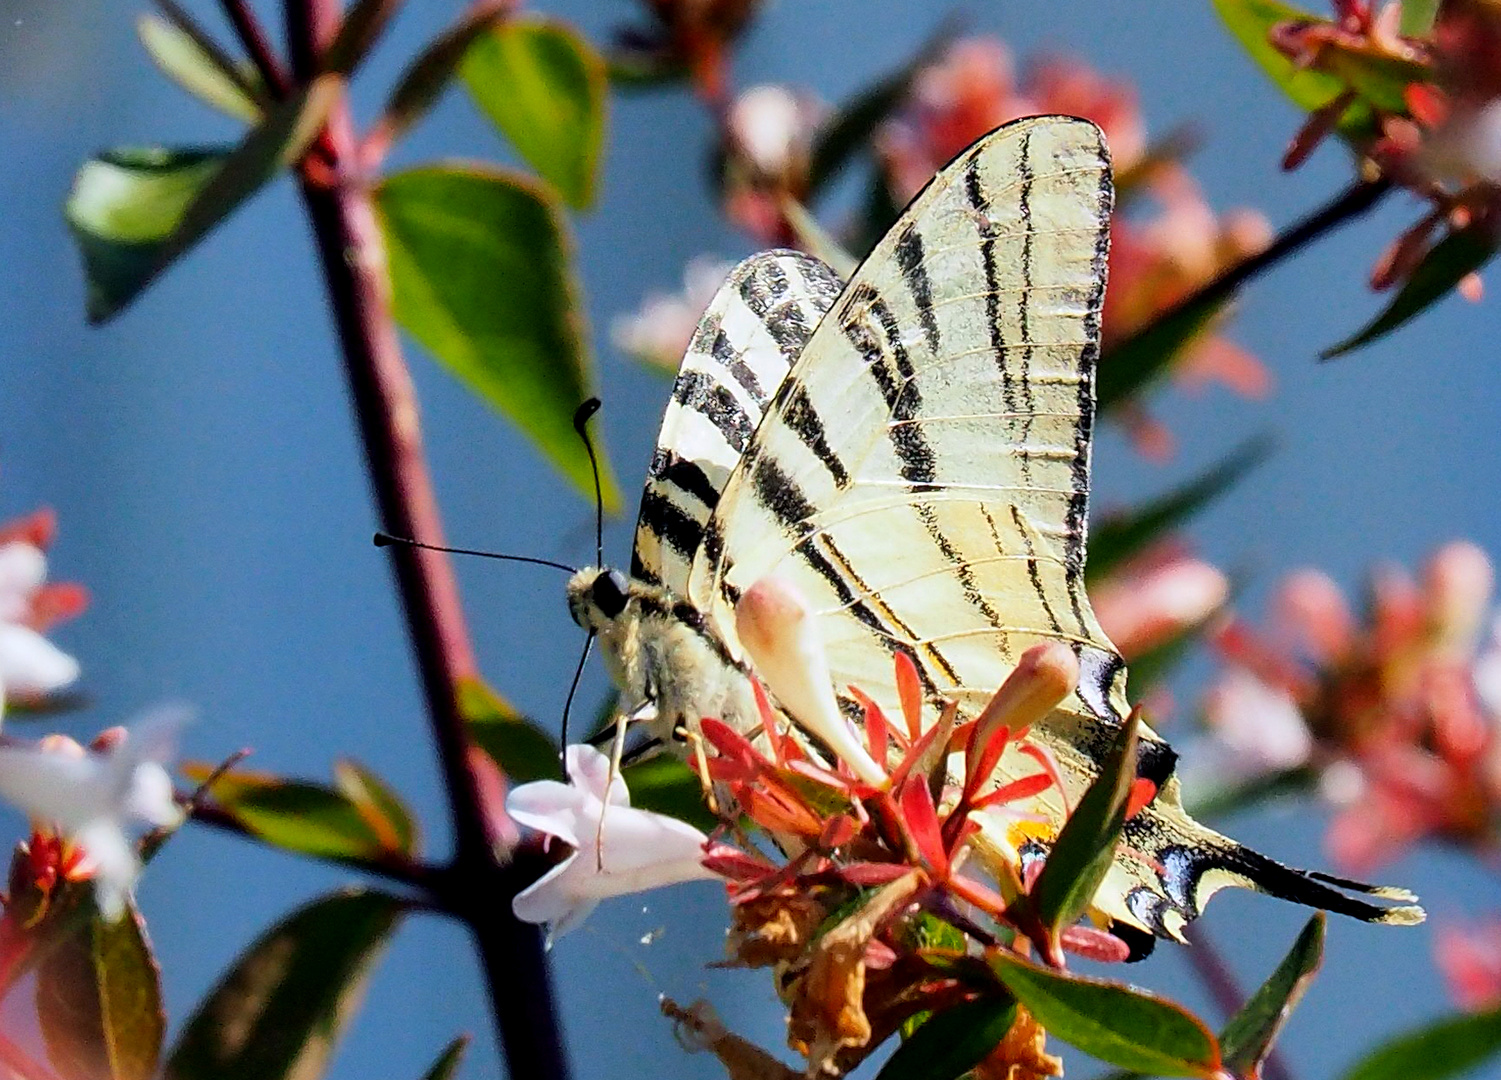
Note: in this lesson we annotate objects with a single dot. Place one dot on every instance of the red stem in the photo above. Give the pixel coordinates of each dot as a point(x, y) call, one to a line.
point(477, 887)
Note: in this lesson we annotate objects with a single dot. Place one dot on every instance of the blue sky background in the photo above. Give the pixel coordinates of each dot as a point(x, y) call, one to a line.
point(200, 453)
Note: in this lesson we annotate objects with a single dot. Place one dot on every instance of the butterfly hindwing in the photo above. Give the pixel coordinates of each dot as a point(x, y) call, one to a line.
point(747, 339)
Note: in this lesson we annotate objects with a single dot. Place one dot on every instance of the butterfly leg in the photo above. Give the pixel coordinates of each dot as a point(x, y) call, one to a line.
point(700, 765)
point(617, 751)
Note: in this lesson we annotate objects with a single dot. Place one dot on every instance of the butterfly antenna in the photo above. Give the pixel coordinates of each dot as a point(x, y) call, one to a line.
point(578, 673)
point(387, 540)
point(580, 424)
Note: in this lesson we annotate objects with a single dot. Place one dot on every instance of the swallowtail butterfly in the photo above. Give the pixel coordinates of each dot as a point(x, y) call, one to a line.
point(911, 450)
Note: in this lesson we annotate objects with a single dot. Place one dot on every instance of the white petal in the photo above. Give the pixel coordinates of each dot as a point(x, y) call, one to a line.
point(589, 769)
point(29, 663)
point(23, 568)
point(555, 808)
point(549, 899)
point(115, 864)
point(70, 791)
point(150, 798)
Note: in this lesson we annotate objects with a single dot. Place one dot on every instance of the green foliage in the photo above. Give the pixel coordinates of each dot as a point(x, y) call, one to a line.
point(1248, 1037)
point(1085, 847)
point(278, 1012)
point(428, 75)
point(1418, 17)
point(99, 999)
point(1119, 537)
point(1452, 1047)
point(1121, 1025)
point(953, 1042)
point(1456, 255)
point(133, 212)
point(522, 750)
point(361, 822)
point(379, 807)
point(1249, 21)
point(449, 1060)
point(546, 90)
point(482, 276)
point(197, 66)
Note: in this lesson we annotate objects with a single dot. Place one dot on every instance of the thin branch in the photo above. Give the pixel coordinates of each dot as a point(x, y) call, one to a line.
point(178, 17)
point(1348, 205)
point(478, 887)
point(257, 46)
point(1214, 972)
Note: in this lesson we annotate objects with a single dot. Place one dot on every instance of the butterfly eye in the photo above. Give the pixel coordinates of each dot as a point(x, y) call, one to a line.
point(608, 593)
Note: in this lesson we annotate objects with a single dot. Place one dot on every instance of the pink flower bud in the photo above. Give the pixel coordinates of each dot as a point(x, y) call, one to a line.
point(776, 628)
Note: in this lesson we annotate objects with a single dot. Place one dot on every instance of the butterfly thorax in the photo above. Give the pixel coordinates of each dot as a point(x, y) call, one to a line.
point(662, 651)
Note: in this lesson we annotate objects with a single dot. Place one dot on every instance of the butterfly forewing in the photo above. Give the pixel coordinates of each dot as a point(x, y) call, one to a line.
point(749, 336)
point(943, 411)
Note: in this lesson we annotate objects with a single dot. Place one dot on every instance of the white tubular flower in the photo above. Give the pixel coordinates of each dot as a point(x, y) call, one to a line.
point(29, 663)
point(96, 796)
point(616, 849)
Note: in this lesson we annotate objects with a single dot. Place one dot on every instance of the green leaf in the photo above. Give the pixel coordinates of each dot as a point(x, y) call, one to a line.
point(1118, 1024)
point(428, 75)
point(1453, 257)
point(135, 211)
point(196, 65)
point(1085, 846)
point(546, 90)
point(99, 1000)
point(850, 129)
point(1130, 365)
point(482, 275)
point(1249, 21)
point(278, 1012)
point(1451, 1047)
point(952, 1043)
point(1118, 537)
point(291, 814)
point(670, 787)
point(448, 1061)
point(1418, 17)
point(380, 807)
point(1248, 1037)
point(523, 751)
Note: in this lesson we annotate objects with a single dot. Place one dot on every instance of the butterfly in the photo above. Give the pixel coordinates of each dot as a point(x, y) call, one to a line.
point(911, 450)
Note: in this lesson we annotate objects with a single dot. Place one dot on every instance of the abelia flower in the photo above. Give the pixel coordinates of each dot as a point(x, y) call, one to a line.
point(1156, 597)
point(95, 798)
point(1469, 958)
point(659, 333)
point(767, 152)
point(1399, 712)
point(31, 666)
point(617, 849)
point(1441, 139)
point(686, 35)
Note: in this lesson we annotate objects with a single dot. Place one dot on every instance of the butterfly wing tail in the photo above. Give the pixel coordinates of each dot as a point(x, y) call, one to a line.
point(1192, 862)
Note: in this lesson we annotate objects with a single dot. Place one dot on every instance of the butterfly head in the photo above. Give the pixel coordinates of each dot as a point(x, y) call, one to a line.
point(597, 596)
